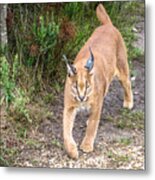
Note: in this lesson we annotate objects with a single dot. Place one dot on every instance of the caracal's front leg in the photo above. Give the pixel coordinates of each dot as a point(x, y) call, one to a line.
point(68, 120)
point(87, 144)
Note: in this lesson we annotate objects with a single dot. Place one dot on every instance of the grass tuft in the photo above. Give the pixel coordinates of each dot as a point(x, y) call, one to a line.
point(128, 119)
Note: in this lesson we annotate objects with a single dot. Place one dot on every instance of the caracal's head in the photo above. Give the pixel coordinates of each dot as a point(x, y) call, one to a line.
point(80, 77)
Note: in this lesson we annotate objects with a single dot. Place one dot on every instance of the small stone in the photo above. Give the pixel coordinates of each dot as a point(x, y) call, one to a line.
point(133, 78)
point(134, 30)
point(136, 92)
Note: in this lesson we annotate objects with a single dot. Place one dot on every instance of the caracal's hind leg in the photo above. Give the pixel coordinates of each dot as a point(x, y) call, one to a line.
point(124, 75)
point(128, 96)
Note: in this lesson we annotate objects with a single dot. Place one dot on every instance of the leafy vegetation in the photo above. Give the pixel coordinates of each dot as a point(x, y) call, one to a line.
point(12, 94)
point(39, 34)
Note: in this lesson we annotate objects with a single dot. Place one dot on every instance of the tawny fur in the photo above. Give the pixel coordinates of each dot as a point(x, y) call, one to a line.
point(110, 59)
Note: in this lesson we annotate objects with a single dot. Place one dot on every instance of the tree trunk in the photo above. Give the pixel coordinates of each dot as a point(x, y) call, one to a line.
point(3, 26)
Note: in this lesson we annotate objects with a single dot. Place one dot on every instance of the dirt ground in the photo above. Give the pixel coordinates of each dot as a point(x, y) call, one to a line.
point(120, 139)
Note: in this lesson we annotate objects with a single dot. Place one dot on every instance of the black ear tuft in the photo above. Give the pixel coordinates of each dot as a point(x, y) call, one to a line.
point(71, 70)
point(90, 62)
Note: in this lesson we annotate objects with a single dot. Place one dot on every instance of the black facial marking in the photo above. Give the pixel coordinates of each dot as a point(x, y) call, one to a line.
point(85, 93)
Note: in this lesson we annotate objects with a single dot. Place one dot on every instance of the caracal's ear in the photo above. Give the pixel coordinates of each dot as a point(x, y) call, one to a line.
point(90, 62)
point(71, 70)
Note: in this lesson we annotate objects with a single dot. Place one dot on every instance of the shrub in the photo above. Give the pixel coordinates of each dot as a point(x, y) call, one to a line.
point(11, 94)
point(41, 33)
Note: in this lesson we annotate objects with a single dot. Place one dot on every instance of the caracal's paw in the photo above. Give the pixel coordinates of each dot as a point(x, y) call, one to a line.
point(72, 150)
point(86, 147)
point(128, 104)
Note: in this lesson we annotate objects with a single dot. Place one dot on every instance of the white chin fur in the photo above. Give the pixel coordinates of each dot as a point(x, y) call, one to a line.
point(83, 107)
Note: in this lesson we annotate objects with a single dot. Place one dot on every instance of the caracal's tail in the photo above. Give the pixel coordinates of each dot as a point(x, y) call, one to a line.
point(102, 15)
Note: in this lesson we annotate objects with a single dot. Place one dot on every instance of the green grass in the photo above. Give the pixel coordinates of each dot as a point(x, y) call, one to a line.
point(35, 162)
point(122, 158)
point(22, 133)
point(125, 141)
point(32, 143)
point(4, 162)
point(128, 119)
point(56, 143)
point(49, 98)
point(116, 158)
point(8, 155)
point(137, 52)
